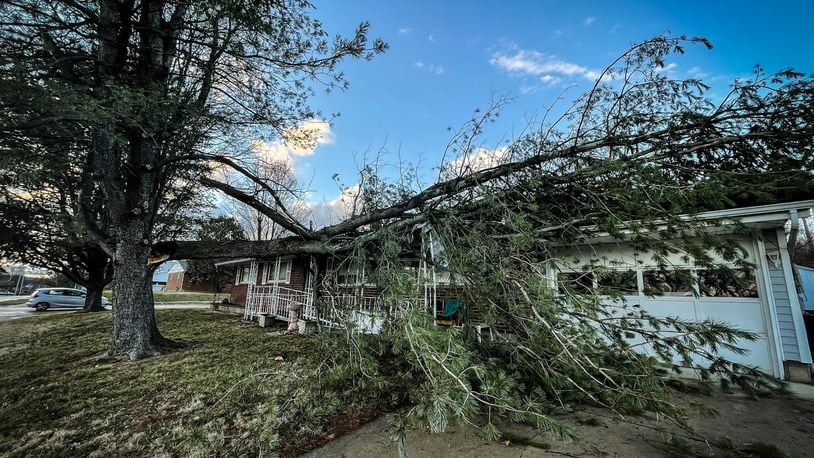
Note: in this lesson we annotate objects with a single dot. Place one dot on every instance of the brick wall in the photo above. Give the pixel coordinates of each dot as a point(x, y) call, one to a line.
point(174, 281)
point(299, 271)
point(238, 295)
point(203, 287)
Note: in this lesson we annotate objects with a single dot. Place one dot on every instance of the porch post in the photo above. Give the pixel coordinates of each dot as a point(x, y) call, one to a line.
point(250, 293)
point(275, 293)
point(309, 288)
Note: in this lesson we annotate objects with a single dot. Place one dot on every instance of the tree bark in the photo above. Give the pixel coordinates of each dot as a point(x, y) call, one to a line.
point(228, 249)
point(98, 276)
point(93, 299)
point(135, 334)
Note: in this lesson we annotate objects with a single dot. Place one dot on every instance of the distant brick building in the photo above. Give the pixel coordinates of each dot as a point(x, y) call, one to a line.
point(179, 280)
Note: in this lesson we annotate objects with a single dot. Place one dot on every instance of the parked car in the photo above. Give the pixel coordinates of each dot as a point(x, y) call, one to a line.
point(55, 298)
point(5, 292)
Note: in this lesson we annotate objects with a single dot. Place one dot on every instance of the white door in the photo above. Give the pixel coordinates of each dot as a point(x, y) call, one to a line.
point(747, 314)
point(742, 313)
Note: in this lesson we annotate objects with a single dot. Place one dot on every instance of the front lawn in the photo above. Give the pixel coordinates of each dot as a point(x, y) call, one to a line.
point(164, 297)
point(227, 394)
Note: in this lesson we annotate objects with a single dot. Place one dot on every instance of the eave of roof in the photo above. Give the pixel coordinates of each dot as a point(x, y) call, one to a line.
point(759, 216)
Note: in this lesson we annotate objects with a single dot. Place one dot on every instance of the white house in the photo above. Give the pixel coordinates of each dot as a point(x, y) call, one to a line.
point(769, 306)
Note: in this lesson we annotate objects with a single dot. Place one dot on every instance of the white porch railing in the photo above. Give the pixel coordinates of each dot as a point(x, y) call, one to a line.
point(274, 300)
point(367, 312)
point(334, 310)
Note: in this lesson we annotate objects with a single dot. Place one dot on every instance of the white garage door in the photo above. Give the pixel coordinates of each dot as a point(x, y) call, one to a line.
point(743, 313)
point(683, 289)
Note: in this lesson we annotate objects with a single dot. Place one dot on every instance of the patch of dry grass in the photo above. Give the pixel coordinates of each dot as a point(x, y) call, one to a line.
point(224, 395)
point(166, 297)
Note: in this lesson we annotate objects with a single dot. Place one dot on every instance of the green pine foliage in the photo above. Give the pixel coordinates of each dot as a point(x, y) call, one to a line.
point(556, 345)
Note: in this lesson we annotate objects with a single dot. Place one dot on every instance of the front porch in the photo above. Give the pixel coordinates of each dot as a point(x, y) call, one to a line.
point(366, 314)
point(337, 292)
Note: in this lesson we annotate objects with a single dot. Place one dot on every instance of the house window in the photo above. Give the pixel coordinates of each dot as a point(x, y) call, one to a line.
point(349, 275)
point(575, 282)
point(283, 276)
point(348, 272)
point(412, 267)
point(668, 283)
point(243, 274)
point(618, 282)
point(442, 276)
point(725, 282)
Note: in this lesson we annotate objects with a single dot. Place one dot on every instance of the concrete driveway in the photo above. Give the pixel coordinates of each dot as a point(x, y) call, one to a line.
point(10, 312)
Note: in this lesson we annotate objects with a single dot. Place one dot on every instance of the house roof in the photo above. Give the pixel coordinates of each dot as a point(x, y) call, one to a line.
point(179, 266)
point(759, 217)
point(761, 213)
point(233, 262)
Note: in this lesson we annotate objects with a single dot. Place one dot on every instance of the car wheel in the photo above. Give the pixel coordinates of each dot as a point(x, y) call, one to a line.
point(42, 306)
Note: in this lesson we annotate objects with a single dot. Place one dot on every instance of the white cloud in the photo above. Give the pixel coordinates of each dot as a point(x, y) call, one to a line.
point(588, 21)
point(549, 80)
point(615, 28)
point(697, 72)
point(272, 152)
point(435, 69)
point(298, 141)
point(480, 159)
point(667, 68)
point(405, 31)
point(305, 138)
point(547, 67)
point(431, 38)
point(335, 210)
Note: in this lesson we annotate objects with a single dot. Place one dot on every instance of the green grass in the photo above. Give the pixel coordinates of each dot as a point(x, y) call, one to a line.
point(180, 296)
point(224, 395)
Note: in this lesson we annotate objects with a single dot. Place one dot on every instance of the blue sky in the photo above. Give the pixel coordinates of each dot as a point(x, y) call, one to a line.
point(448, 58)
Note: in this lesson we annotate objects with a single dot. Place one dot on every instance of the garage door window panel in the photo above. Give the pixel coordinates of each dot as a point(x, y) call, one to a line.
point(676, 283)
point(581, 283)
point(618, 282)
point(726, 282)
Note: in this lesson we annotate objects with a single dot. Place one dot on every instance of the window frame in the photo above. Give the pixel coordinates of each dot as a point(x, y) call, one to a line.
point(692, 292)
point(566, 279)
point(695, 292)
point(637, 282)
point(754, 293)
point(243, 271)
point(268, 269)
point(346, 271)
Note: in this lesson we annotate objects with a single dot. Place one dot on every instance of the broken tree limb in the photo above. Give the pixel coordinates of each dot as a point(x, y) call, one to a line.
point(163, 251)
point(273, 214)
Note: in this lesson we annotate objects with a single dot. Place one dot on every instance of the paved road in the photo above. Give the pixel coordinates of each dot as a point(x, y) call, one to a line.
point(10, 312)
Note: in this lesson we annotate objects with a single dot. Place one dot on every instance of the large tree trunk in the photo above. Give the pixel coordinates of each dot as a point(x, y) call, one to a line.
point(98, 277)
point(135, 333)
point(93, 299)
